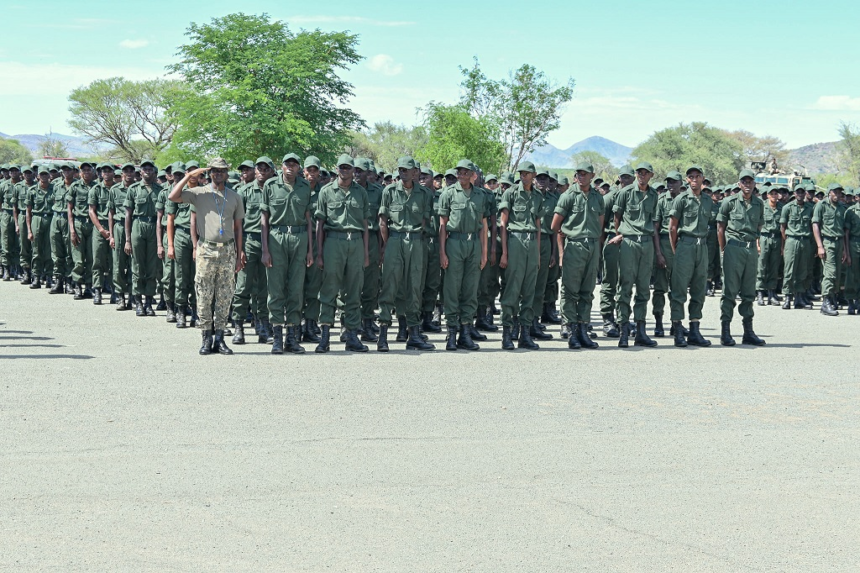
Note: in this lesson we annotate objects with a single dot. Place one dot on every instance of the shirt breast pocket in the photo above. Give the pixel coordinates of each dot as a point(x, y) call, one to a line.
point(736, 215)
point(396, 208)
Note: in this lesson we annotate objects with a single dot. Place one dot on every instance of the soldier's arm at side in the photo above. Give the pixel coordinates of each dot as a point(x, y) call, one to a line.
point(673, 233)
point(484, 230)
point(320, 239)
point(443, 240)
point(721, 235)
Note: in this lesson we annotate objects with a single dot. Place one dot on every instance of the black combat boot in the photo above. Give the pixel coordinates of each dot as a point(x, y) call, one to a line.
point(750, 335)
point(219, 344)
point(277, 339)
point(465, 339)
point(353, 344)
point(129, 302)
point(97, 296)
point(325, 335)
point(773, 297)
point(180, 316)
point(37, 283)
point(291, 342)
point(624, 335)
point(642, 338)
point(138, 306)
point(473, 332)
point(678, 333)
point(610, 328)
point(525, 340)
point(574, 341)
point(536, 332)
point(726, 334)
point(507, 343)
point(266, 328)
point(841, 301)
point(87, 291)
point(709, 289)
point(564, 331)
point(552, 314)
point(170, 315)
point(481, 321)
point(79, 291)
point(427, 324)
point(786, 304)
point(695, 337)
point(309, 334)
point(26, 277)
point(402, 336)
point(415, 342)
point(7, 276)
point(852, 307)
point(451, 340)
point(239, 336)
point(759, 297)
point(58, 286)
point(827, 307)
point(515, 330)
point(367, 334)
point(799, 301)
point(206, 348)
point(585, 339)
point(148, 308)
point(70, 286)
point(658, 326)
point(161, 304)
point(382, 339)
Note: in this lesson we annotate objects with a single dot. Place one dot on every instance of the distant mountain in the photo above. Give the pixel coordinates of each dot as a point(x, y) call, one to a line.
point(552, 156)
point(816, 158)
point(77, 146)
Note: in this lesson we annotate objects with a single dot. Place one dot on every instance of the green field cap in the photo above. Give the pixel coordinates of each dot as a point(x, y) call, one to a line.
point(362, 163)
point(746, 173)
point(345, 159)
point(406, 162)
point(646, 166)
point(465, 164)
point(585, 166)
point(626, 170)
point(490, 177)
point(147, 162)
point(247, 163)
point(526, 166)
point(834, 187)
point(692, 168)
point(266, 160)
point(294, 157)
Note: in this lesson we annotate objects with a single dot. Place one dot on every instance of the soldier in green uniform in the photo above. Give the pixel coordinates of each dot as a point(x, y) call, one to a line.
point(433, 272)
point(489, 280)
point(403, 213)
point(795, 223)
point(828, 229)
point(252, 278)
point(343, 253)
point(544, 187)
point(545, 299)
point(116, 226)
point(579, 227)
point(771, 250)
point(714, 261)
point(22, 192)
point(286, 252)
point(634, 211)
point(689, 215)
point(38, 215)
point(166, 282)
point(611, 252)
point(81, 230)
point(812, 282)
point(182, 246)
point(852, 252)
point(738, 226)
point(141, 242)
point(313, 275)
point(8, 223)
point(99, 213)
point(61, 247)
point(663, 275)
point(463, 211)
point(521, 207)
point(370, 288)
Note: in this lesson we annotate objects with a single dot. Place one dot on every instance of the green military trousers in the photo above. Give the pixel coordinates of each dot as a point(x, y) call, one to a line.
point(832, 265)
point(714, 255)
point(460, 290)
point(343, 274)
point(313, 280)
point(520, 276)
point(432, 275)
point(402, 269)
point(121, 261)
point(578, 274)
point(82, 254)
point(168, 271)
point(609, 286)
point(251, 279)
point(767, 276)
point(635, 261)
point(101, 256)
point(183, 250)
point(144, 258)
point(852, 276)
point(61, 251)
point(370, 290)
point(740, 265)
point(794, 270)
point(285, 279)
point(8, 239)
point(24, 240)
point(689, 272)
point(662, 278)
point(42, 264)
point(542, 274)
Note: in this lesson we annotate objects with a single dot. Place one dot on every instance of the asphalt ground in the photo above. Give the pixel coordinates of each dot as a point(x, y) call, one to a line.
point(123, 450)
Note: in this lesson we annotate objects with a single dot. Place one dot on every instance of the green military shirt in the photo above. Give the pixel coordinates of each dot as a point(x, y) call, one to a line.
point(797, 219)
point(550, 200)
point(142, 198)
point(162, 200)
point(252, 199)
point(374, 200)
point(10, 194)
point(664, 210)
point(40, 200)
point(581, 212)
point(79, 197)
point(433, 222)
point(405, 209)
point(743, 220)
point(61, 195)
point(830, 218)
point(693, 214)
point(117, 201)
point(22, 193)
point(465, 211)
point(712, 219)
point(638, 210)
point(287, 205)
point(181, 214)
point(100, 197)
point(771, 218)
point(609, 205)
point(343, 210)
point(852, 222)
point(524, 208)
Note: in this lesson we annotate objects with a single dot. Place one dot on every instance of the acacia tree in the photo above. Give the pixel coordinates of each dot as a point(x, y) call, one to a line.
point(453, 134)
point(762, 148)
point(258, 88)
point(385, 142)
point(52, 147)
point(131, 117)
point(849, 151)
point(602, 166)
point(524, 108)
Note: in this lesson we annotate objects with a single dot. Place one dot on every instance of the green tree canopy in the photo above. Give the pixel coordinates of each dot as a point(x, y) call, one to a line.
point(52, 147)
point(385, 142)
point(676, 148)
point(258, 88)
point(11, 151)
point(453, 134)
point(130, 117)
point(848, 149)
point(602, 166)
point(523, 108)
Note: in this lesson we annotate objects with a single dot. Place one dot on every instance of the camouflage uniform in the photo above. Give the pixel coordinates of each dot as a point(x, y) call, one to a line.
point(216, 269)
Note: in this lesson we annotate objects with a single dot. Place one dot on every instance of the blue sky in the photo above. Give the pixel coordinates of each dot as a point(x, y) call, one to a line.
point(774, 68)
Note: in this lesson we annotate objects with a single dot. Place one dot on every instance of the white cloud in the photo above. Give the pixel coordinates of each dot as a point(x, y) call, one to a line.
point(837, 103)
point(384, 64)
point(60, 79)
point(347, 20)
point(134, 44)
